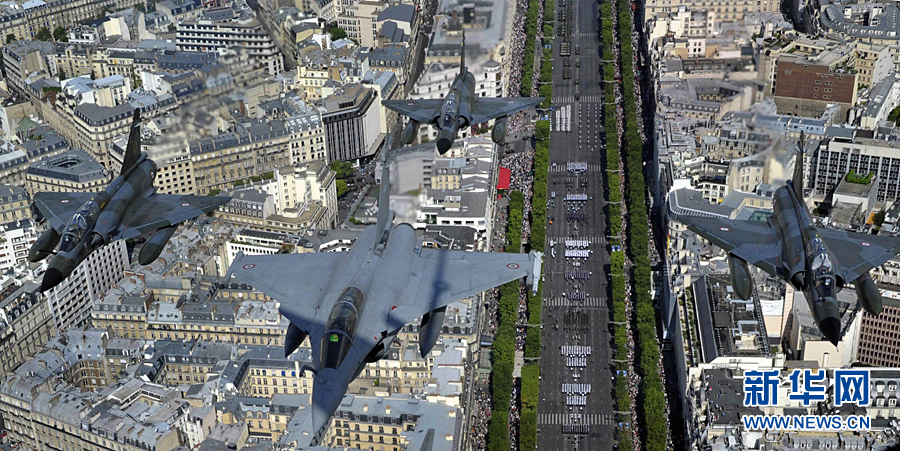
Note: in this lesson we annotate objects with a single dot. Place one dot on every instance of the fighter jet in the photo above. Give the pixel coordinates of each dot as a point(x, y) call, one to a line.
point(461, 108)
point(789, 245)
point(352, 304)
point(129, 207)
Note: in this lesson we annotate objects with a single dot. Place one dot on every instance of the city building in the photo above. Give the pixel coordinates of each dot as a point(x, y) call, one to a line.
point(804, 88)
point(353, 126)
point(876, 345)
point(14, 203)
point(305, 121)
point(70, 301)
point(23, 59)
point(841, 153)
point(392, 423)
point(39, 141)
point(72, 170)
point(25, 324)
point(731, 10)
point(24, 20)
point(221, 28)
point(16, 238)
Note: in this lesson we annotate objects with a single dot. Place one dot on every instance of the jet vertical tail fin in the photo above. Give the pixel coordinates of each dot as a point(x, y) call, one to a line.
point(385, 215)
point(797, 179)
point(133, 148)
point(462, 54)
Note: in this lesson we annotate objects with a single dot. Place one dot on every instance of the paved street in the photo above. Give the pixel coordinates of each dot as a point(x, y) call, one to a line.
point(576, 311)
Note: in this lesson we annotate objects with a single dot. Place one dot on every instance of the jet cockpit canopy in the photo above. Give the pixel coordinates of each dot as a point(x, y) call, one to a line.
point(338, 337)
point(78, 225)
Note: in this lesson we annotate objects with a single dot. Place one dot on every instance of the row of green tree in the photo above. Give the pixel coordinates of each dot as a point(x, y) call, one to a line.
point(503, 349)
point(545, 85)
point(530, 392)
point(531, 19)
point(651, 402)
point(617, 258)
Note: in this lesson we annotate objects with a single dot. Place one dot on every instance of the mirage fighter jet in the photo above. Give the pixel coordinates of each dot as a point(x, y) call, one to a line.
point(461, 108)
point(817, 261)
point(129, 207)
point(352, 304)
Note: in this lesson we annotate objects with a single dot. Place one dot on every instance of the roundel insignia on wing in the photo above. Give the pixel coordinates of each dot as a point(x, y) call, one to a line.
point(64, 201)
point(724, 229)
point(185, 204)
point(249, 266)
point(513, 266)
point(866, 244)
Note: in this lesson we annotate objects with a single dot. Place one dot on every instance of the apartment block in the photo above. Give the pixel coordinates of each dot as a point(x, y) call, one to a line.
point(14, 203)
point(238, 320)
point(222, 28)
point(25, 324)
point(805, 89)
point(40, 141)
point(838, 155)
point(73, 170)
point(877, 345)
point(728, 10)
point(16, 238)
point(352, 123)
point(70, 301)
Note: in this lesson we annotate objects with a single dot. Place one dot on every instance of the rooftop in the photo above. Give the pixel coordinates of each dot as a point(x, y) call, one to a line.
point(73, 166)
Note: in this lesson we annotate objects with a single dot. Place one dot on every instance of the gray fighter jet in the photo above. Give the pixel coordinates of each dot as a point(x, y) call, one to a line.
point(461, 108)
point(127, 208)
point(352, 304)
point(816, 261)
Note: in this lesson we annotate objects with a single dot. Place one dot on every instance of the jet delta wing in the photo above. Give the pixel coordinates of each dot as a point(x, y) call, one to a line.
point(422, 111)
point(59, 207)
point(440, 278)
point(487, 108)
point(752, 241)
point(162, 210)
point(859, 252)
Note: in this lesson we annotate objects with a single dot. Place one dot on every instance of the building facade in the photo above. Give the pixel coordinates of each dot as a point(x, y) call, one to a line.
point(352, 124)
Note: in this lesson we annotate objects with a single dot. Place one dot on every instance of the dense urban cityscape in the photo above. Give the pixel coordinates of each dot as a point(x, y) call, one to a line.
point(579, 217)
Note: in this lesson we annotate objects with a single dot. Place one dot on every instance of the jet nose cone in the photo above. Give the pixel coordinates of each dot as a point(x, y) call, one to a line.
point(443, 145)
point(831, 329)
point(51, 279)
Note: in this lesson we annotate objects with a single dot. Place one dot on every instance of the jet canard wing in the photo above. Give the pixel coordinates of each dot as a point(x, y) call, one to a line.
point(58, 208)
point(752, 241)
point(440, 278)
point(162, 210)
point(487, 108)
point(857, 253)
point(421, 111)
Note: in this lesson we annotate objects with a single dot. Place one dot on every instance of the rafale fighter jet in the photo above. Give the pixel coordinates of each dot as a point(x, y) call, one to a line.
point(461, 108)
point(352, 304)
point(816, 261)
point(127, 208)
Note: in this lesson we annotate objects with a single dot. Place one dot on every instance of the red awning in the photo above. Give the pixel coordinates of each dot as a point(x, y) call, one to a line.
point(503, 180)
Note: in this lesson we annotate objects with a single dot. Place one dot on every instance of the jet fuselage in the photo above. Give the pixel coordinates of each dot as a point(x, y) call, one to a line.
point(808, 264)
point(372, 278)
point(455, 113)
point(91, 226)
